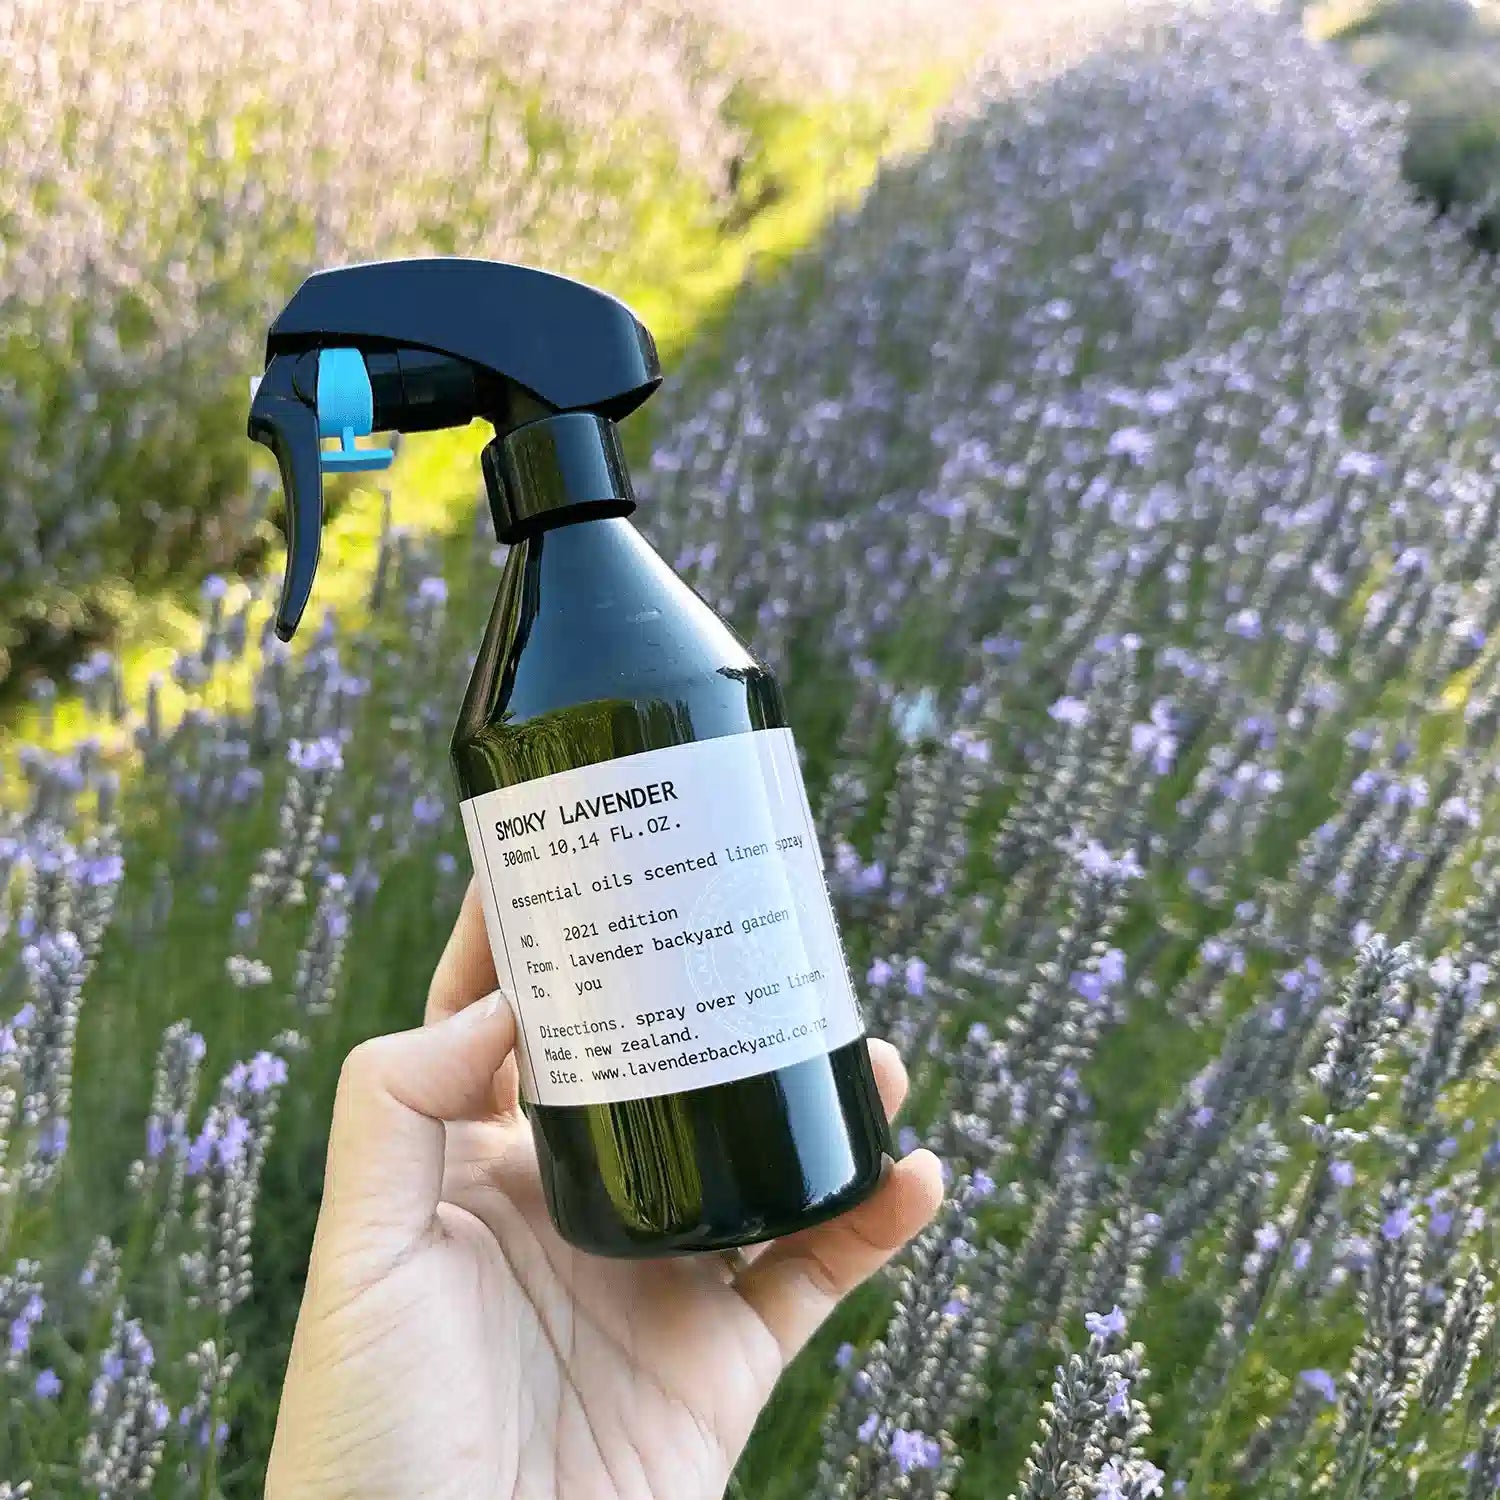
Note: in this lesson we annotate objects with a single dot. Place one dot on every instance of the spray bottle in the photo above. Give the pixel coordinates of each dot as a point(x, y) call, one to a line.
point(691, 1050)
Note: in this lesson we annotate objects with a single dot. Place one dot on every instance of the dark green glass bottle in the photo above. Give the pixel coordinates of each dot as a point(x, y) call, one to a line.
point(596, 650)
point(692, 1052)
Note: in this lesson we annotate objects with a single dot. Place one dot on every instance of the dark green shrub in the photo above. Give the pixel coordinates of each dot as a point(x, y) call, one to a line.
point(1441, 60)
point(1441, 23)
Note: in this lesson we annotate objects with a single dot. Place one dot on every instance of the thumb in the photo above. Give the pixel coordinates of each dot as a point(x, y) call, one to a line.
point(385, 1148)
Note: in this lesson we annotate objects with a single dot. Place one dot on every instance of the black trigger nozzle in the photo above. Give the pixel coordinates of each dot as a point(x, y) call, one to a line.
point(413, 345)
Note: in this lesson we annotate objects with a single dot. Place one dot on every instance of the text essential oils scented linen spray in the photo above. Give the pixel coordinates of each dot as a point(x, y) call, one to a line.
point(692, 1054)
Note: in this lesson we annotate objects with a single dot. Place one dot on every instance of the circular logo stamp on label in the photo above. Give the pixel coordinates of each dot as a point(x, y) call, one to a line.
point(741, 982)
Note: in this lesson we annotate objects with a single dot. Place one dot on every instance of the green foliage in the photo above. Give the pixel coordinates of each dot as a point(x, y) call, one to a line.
point(1442, 23)
point(1440, 59)
point(1453, 147)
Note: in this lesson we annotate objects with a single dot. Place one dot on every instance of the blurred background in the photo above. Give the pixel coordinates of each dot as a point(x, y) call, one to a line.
point(1091, 410)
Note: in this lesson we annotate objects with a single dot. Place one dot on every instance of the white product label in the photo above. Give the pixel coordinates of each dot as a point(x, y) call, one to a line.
point(661, 921)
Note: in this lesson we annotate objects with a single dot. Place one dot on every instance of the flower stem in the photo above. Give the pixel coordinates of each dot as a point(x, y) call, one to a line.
point(1203, 1469)
point(1361, 1457)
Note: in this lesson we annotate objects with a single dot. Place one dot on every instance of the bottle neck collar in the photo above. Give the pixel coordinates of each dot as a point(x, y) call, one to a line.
point(553, 471)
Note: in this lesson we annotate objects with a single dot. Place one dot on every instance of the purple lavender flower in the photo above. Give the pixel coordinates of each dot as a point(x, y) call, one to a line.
point(1396, 1223)
point(1123, 1480)
point(1105, 1326)
point(319, 755)
point(23, 1323)
point(1098, 862)
point(264, 1072)
point(123, 1444)
point(915, 1450)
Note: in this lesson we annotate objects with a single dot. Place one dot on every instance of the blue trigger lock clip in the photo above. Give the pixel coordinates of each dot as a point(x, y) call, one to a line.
point(346, 410)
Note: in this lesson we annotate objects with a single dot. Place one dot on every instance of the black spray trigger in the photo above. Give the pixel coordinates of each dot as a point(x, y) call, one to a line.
point(281, 420)
point(416, 345)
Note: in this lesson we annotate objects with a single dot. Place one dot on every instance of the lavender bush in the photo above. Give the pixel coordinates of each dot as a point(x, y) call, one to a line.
point(1114, 488)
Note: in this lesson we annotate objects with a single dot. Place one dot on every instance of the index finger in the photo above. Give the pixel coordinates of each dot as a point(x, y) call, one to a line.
point(466, 971)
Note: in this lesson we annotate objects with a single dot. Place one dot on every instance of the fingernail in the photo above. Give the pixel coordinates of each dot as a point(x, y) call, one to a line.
point(481, 1010)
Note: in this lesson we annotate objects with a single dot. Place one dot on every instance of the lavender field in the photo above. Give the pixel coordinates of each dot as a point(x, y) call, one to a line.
point(1115, 486)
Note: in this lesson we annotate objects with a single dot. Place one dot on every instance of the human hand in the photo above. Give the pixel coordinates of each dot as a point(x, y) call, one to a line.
point(452, 1344)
